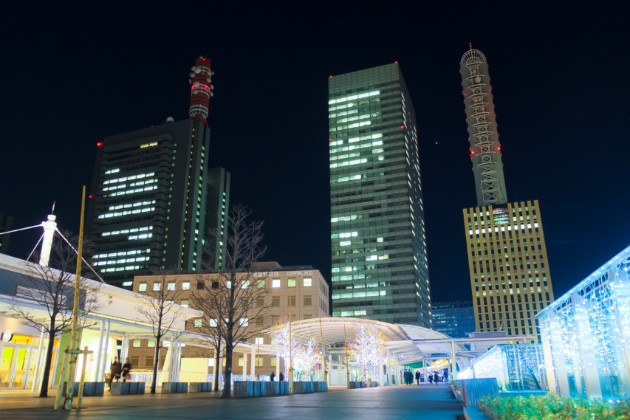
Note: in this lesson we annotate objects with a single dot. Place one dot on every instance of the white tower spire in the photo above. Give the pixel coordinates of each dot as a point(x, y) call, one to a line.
point(49, 226)
point(485, 149)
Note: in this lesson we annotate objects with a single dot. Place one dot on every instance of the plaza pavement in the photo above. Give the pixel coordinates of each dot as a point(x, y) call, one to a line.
point(426, 402)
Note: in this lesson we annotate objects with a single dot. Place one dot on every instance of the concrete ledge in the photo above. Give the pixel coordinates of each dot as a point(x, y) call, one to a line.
point(174, 387)
point(200, 387)
point(127, 388)
point(90, 389)
point(474, 413)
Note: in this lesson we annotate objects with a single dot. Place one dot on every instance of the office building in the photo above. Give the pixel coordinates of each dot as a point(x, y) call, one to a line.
point(507, 255)
point(303, 286)
point(147, 207)
point(379, 257)
point(6, 224)
point(218, 184)
point(455, 319)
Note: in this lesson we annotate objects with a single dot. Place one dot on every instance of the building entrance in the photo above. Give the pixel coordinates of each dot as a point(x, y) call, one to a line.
point(17, 366)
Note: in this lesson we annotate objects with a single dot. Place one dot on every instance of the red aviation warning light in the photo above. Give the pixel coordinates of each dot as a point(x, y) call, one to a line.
point(200, 89)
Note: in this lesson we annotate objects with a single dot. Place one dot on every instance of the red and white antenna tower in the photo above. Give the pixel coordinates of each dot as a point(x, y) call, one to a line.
point(200, 89)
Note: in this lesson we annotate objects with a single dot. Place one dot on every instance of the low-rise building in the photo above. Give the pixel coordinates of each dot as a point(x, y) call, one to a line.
point(302, 287)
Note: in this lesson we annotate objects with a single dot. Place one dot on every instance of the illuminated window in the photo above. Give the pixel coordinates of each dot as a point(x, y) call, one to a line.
point(291, 282)
point(275, 283)
point(142, 287)
point(186, 285)
point(157, 287)
point(244, 322)
point(170, 285)
point(184, 303)
point(151, 343)
point(136, 343)
point(198, 322)
point(308, 282)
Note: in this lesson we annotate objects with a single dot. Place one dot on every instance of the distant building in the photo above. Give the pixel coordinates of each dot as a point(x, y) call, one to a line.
point(148, 201)
point(6, 224)
point(304, 286)
point(379, 250)
point(507, 255)
point(455, 319)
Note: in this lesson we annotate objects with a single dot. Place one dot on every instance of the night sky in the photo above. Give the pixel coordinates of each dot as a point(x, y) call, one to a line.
point(72, 74)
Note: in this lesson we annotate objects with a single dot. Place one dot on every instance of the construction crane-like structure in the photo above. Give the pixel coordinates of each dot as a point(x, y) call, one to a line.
point(485, 149)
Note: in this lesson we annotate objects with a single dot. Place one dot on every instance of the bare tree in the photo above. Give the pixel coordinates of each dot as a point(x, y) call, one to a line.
point(234, 296)
point(161, 312)
point(52, 289)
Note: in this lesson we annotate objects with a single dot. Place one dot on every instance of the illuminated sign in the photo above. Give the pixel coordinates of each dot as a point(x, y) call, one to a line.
point(7, 336)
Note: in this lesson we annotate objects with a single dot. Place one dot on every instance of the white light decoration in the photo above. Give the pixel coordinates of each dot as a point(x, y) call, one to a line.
point(586, 334)
point(305, 353)
point(368, 350)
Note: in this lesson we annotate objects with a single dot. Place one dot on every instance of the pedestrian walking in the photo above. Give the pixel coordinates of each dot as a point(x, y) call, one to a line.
point(281, 377)
point(418, 377)
point(435, 377)
point(272, 376)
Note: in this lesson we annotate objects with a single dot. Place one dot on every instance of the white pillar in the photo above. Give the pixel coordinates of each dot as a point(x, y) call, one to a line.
point(245, 366)
point(253, 367)
point(36, 378)
point(99, 352)
point(105, 350)
point(453, 361)
point(397, 372)
point(49, 232)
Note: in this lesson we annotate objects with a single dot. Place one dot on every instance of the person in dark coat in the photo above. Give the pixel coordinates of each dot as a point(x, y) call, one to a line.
point(281, 378)
point(418, 377)
point(114, 371)
point(436, 379)
point(430, 378)
point(272, 376)
point(126, 370)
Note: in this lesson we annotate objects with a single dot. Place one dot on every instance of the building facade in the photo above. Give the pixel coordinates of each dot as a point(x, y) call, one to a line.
point(379, 257)
point(304, 287)
point(507, 255)
point(218, 184)
point(147, 207)
point(455, 319)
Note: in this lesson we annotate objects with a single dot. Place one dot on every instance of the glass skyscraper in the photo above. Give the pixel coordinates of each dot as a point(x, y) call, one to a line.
point(379, 258)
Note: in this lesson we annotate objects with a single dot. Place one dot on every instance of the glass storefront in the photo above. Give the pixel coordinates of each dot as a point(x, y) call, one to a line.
point(19, 362)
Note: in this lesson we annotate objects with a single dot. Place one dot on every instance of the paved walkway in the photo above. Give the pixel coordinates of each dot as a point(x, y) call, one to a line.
point(426, 402)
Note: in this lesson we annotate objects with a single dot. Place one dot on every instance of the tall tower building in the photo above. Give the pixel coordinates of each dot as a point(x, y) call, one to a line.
point(507, 255)
point(147, 209)
point(379, 258)
point(218, 213)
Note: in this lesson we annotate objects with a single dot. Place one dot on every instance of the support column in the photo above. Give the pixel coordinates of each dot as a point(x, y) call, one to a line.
point(99, 352)
point(253, 362)
point(104, 365)
point(245, 378)
point(397, 370)
point(453, 360)
point(38, 362)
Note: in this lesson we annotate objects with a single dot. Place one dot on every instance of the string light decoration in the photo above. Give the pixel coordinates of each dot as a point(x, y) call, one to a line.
point(587, 333)
point(305, 353)
point(368, 350)
point(517, 367)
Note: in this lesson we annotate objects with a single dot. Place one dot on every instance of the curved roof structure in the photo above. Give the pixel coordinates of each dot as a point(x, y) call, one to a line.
point(410, 343)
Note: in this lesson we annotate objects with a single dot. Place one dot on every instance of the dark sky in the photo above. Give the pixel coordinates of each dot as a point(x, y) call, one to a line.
point(72, 74)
